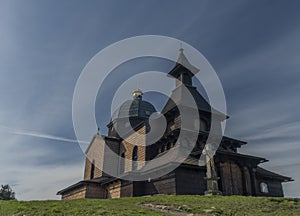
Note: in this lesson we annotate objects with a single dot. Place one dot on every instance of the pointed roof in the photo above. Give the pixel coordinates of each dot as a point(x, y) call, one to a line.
point(183, 66)
point(178, 94)
point(178, 98)
point(268, 174)
point(182, 59)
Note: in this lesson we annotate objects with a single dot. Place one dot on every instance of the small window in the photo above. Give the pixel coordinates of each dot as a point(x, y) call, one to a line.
point(122, 163)
point(135, 158)
point(264, 187)
point(92, 170)
point(200, 124)
point(203, 125)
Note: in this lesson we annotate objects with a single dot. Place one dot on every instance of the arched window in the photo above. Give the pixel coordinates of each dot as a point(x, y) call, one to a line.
point(134, 158)
point(203, 125)
point(92, 170)
point(264, 187)
point(200, 125)
point(122, 163)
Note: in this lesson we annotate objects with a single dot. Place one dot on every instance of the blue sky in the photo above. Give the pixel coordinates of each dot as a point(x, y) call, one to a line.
point(44, 45)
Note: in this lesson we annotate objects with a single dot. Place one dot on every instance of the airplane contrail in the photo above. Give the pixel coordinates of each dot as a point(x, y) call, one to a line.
point(41, 135)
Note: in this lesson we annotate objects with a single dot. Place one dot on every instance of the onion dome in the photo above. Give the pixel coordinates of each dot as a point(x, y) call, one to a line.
point(137, 107)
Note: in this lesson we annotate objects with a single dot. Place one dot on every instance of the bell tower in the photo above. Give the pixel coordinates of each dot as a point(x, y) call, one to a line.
point(183, 71)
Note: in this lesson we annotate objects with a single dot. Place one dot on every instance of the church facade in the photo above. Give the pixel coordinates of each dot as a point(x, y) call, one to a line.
point(227, 173)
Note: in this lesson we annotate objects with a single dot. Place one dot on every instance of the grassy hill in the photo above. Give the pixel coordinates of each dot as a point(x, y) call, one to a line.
point(156, 205)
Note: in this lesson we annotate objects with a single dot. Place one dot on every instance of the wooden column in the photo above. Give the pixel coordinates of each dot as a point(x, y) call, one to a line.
point(246, 181)
point(254, 181)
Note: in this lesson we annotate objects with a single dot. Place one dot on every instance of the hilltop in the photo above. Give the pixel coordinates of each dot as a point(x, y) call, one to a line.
point(156, 205)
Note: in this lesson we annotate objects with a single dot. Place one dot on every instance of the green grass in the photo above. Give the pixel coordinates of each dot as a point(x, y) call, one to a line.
point(180, 205)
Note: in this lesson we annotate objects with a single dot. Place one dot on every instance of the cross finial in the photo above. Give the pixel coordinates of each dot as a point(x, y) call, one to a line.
point(137, 93)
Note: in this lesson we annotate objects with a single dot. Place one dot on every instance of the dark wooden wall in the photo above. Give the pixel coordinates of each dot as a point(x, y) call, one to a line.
point(163, 185)
point(231, 178)
point(190, 181)
point(126, 189)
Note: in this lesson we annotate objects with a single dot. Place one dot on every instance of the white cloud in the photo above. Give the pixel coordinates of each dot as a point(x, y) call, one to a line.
point(41, 135)
point(35, 183)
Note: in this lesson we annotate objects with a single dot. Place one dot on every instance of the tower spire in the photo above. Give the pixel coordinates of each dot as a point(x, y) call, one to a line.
point(182, 60)
point(183, 70)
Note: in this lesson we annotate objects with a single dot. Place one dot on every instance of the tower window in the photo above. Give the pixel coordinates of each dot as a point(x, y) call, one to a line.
point(92, 170)
point(122, 163)
point(134, 158)
point(203, 125)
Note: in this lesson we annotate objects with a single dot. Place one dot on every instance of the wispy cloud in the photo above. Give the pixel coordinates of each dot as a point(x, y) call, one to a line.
point(253, 48)
point(284, 130)
point(41, 135)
